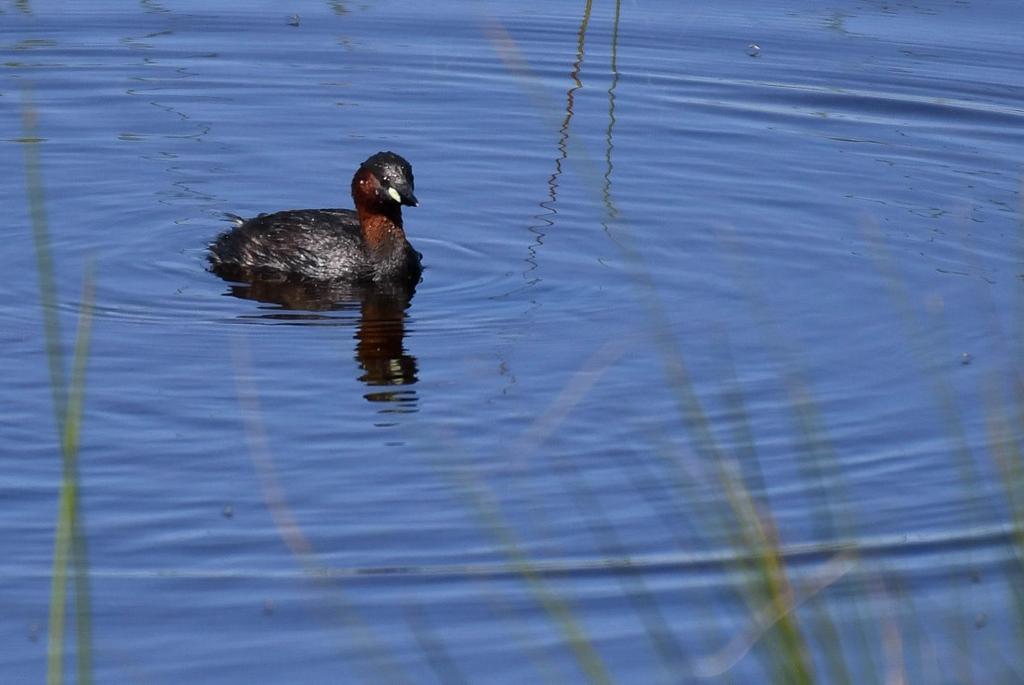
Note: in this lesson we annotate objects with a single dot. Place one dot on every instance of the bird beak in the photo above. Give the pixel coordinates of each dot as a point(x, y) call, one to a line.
point(402, 198)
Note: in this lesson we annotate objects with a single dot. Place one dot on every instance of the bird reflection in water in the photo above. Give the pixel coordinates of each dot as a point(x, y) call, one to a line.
point(380, 333)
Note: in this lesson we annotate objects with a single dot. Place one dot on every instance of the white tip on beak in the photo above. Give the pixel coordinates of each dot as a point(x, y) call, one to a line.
point(394, 195)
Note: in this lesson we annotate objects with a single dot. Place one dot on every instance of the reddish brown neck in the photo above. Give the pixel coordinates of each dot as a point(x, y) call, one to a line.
point(380, 230)
point(380, 220)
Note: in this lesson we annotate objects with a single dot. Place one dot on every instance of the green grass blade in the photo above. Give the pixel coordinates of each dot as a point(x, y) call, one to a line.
point(72, 440)
point(69, 541)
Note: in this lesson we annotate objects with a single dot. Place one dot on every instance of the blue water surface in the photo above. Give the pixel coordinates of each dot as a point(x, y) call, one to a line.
point(689, 266)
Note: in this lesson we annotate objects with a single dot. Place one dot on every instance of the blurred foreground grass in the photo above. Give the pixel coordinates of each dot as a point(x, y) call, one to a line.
point(68, 400)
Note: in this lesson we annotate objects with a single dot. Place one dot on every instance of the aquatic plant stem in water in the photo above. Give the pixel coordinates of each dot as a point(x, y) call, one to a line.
point(69, 541)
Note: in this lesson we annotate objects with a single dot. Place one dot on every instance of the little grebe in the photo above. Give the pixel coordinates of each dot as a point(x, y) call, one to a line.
point(367, 245)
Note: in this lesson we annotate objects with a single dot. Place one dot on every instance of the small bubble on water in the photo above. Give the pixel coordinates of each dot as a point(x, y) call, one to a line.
point(753, 49)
